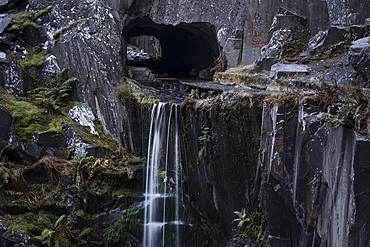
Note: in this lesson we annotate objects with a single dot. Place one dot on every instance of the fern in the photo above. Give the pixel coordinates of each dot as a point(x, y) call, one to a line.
point(55, 96)
point(56, 234)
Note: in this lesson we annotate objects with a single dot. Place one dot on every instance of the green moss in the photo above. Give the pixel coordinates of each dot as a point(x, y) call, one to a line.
point(86, 232)
point(34, 57)
point(19, 223)
point(127, 89)
point(62, 29)
point(28, 117)
point(80, 213)
point(34, 83)
point(121, 191)
point(101, 139)
point(119, 233)
point(24, 19)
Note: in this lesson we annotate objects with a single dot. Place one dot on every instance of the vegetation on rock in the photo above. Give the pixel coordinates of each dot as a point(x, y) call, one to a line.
point(128, 89)
point(28, 117)
point(24, 19)
point(55, 96)
point(29, 113)
point(341, 46)
point(119, 233)
point(35, 56)
point(252, 225)
point(38, 193)
point(350, 105)
point(220, 64)
point(73, 23)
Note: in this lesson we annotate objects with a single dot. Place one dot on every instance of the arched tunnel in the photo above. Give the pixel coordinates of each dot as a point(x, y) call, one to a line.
point(184, 46)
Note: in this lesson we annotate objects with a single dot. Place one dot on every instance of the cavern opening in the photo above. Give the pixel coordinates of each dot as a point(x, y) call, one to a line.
point(175, 51)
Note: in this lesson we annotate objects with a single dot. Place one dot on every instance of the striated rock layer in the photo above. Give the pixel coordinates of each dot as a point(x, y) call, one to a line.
point(314, 181)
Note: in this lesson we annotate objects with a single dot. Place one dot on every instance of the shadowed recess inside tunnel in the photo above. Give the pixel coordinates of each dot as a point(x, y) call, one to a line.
point(185, 47)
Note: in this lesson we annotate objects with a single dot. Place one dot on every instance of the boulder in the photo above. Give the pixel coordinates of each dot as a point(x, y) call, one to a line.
point(318, 16)
point(77, 144)
point(99, 151)
point(334, 35)
point(323, 39)
point(315, 42)
point(55, 152)
point(4, 58)
point(141, 74)
point(270, 52)
point(83, 115)
point(44, 138)
point(12, 77)
point(11, 238)
point(358, 56)
point(36, 151)
point(286, 24)
point(280, 69)
point(50, 68)
point(4, 23)
point(233, 48)
point(288, 19)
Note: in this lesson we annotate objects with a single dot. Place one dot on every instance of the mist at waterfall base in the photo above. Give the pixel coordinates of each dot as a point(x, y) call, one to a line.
point(167, 220)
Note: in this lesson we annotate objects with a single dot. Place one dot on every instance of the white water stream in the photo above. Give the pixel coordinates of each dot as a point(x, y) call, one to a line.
point(162, 185)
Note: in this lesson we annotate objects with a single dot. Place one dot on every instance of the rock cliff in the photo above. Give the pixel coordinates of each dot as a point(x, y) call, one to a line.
point(297, 169)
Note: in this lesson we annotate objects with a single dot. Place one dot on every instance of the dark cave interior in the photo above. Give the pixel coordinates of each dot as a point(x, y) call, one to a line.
point(185, 46)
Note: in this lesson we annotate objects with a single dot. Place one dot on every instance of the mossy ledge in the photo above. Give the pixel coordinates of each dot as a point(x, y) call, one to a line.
point(73, 23)
point(24, 19)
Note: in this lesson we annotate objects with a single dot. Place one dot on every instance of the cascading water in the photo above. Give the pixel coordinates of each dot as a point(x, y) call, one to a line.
point(163, 216)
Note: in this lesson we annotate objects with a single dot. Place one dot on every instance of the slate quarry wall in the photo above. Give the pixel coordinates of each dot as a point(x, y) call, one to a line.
point(314, 181)
point(94, 51)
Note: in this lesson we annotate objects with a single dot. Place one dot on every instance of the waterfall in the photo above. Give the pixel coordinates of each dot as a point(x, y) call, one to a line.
point(162, 213)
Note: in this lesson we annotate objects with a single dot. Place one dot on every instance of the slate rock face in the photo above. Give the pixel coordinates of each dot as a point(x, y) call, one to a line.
point(359, 56)
point(315, 188)
point(5, 123)
point(286, 24)
point(318, 17)
point(4, 23)
point(91, 51)
point(11, 76)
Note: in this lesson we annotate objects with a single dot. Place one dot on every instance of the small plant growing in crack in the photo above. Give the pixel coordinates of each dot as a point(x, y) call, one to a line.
point(204, 139)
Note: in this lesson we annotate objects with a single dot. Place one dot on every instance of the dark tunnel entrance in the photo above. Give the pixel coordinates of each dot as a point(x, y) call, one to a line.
point(184, 48)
